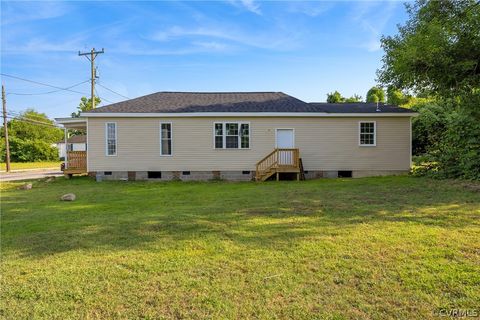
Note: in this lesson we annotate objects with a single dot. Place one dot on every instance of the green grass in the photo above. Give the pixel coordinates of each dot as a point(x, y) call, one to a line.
point(374, 248)
point(31, 165)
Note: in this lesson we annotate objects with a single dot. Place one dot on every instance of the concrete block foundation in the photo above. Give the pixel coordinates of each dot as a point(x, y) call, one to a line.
point(223, 175)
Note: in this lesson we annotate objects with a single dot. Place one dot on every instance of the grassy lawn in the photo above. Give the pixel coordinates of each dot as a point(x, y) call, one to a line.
point(31, 165)
point(374, 248)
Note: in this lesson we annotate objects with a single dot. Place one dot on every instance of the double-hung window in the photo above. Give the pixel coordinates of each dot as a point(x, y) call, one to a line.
point(367, 133)
point(218, 135)
point(165, 139)
point(111, 138)
point(232, 135)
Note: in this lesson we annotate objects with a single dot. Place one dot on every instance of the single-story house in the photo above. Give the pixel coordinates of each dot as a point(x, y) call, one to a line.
point(241, 136)
point(74, 143)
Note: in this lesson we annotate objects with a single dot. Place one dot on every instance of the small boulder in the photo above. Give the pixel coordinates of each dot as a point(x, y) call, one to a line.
point(68, 197)
point(26, 186)
point(50, 179)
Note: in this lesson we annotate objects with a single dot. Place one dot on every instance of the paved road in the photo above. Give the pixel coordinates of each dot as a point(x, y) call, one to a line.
point(30, 174)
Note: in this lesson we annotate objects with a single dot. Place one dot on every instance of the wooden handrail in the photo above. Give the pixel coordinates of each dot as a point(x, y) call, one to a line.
point(267, 156)
point(278, 158)
point(76, 160)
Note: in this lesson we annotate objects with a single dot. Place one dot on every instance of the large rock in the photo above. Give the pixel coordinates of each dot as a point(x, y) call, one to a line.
point(26, 186)
point(68, 197)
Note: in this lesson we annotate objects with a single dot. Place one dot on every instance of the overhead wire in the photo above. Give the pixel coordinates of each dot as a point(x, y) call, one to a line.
point(59, 88)
point(40, 83)
point(102, 98)
point(19, 114)
point(26, 118)
point(121, 95)
point(33, 122)
point(48, 92)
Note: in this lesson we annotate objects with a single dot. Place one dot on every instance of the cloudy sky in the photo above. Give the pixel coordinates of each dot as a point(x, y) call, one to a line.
point(305, 49)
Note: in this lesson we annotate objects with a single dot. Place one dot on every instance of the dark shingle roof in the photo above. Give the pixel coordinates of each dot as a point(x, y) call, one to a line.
point(172, 102)
point(357, 107)
point(207, 102)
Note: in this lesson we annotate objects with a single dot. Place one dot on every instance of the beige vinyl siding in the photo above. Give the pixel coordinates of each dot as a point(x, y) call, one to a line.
point(324, 143)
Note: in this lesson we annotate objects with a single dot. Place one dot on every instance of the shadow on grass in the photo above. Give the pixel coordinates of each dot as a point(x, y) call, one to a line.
point(119, 216)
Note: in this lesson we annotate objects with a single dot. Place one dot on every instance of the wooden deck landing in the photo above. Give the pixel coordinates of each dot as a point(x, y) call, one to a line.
point(280, 160)
point(76, 163)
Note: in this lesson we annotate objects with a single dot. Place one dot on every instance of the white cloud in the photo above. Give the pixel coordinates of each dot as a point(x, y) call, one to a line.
point(372, 45)
point(276, 39)
point(372, 18)
point(136, 49)
point(249, 5)
point(23, 40)
point(43, 45)
point(211, 45)
point(22, 12)
point(312, 9)
point(178, 32)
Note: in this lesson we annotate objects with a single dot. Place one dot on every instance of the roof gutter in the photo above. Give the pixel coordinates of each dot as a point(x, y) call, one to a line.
point(70, 120)
point(242, 114)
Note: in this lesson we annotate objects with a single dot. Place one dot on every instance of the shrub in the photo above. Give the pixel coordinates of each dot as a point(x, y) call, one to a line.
point(31, 151)
point(428, 127)
point(458, 152)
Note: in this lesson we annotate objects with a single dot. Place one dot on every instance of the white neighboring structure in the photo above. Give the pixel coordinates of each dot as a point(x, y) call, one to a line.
point(75, 143)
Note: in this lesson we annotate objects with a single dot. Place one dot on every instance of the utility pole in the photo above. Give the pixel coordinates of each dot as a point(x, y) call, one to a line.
point(91, 56)
point(5, 128)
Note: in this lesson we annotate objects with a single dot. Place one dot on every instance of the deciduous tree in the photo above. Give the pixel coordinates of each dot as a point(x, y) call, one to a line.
point(437, 53)
point(85, 105)
point(31, 137)
point(376, 94)
point(335, 97)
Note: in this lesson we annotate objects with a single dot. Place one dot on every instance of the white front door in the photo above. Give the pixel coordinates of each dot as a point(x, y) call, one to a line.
point(285, 140)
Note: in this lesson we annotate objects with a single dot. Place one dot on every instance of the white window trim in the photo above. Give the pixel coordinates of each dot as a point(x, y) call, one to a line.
point(171, 139)
point(215, 135)
point(224, 135)
point(374, 134)
point(276, 135)
point(106, 139)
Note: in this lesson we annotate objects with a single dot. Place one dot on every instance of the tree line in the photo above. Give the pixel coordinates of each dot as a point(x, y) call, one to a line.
point(432, 66)
point(33, 136)
point(375, 94)
point(435, 56)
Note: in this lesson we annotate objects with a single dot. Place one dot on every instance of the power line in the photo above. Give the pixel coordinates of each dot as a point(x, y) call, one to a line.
point(33, 116)
point(121, 95)
point(101, 98)
point(33, 122)
point(29, 117)
point(41, 83)
point(23, 118)
point(41, 93)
